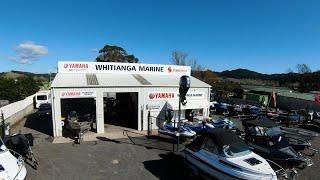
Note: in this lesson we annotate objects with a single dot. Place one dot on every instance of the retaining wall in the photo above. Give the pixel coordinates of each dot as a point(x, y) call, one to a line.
point(14, 112)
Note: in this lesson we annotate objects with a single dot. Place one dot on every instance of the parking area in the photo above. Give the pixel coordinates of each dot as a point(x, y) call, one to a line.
point(128, 158)
point(133, 157)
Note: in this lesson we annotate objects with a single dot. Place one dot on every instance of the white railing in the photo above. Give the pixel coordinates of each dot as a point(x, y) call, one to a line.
point(15, 107)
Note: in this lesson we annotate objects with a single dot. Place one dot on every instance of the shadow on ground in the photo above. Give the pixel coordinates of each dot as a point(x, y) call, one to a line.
point(170, 166)
point(310, 127)
point(151, 142)
point(43, 125)
point(141, 141)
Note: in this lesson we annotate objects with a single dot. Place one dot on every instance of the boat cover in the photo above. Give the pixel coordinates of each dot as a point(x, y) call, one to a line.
point(262, 122)
point(223, 137)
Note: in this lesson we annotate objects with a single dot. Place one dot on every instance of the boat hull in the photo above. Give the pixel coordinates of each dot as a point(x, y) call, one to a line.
point(211, 171)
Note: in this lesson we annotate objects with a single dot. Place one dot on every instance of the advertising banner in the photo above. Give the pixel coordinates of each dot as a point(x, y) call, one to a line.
point(121, 68)
point(174, 95)
point(77, 94)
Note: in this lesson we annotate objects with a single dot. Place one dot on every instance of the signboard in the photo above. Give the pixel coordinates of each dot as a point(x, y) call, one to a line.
point(174, 95)
point(153, 106)
point(77, 94)
point(121, 68)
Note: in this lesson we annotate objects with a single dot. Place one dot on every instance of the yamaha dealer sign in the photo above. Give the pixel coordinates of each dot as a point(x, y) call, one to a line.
point(122, 68)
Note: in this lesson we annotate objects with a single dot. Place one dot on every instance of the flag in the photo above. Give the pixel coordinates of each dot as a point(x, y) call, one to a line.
point(317, 98)
point(274, 97)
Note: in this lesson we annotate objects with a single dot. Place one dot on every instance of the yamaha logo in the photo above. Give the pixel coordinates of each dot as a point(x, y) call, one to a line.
point(76, 66)
point(151, 96)
point(162, 95)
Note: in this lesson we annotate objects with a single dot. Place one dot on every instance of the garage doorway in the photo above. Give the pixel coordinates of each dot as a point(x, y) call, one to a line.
point(83, 107)
point(121, 109)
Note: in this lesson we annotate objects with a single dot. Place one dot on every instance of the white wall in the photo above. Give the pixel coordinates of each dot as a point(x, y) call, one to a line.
point(143, 98)
point(158, 113)
point(13, 108)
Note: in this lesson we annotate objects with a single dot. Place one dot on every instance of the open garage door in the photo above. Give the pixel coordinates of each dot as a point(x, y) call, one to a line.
point(84, 108)
point(81, 105)
point(121, 109)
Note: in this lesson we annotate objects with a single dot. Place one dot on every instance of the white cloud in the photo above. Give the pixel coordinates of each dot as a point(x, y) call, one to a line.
point(28, 51)
point(95, 50)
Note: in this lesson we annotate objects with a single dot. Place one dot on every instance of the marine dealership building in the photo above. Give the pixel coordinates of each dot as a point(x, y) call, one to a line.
point(123, 94)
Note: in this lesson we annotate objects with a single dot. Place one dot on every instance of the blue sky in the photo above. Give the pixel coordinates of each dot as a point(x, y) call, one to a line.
point(263, 35)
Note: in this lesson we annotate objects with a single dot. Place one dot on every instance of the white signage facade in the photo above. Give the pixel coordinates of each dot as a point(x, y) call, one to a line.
point(121, 68)
point(77, 94)
point(174, 95)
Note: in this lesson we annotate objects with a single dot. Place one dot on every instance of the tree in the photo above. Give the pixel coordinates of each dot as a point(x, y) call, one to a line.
point(110, 53)
point(17, 89)
point(207, 76)
point(195, 66)
point(197, 70)
point(179, 58)
point(303, 68)
point(289, 70)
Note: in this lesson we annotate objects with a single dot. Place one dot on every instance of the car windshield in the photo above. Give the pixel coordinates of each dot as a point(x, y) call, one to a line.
point(42, 97)
point(236, 150)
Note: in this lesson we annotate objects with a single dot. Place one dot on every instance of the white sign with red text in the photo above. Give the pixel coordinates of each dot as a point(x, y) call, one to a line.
point(121, 68)
point(77, 94)
point(174, 95)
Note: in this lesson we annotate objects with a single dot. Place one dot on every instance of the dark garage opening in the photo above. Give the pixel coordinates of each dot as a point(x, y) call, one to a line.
point(82, 106)
point(121, 109)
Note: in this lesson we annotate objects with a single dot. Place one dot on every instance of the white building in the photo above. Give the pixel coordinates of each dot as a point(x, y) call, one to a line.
point(122, 93)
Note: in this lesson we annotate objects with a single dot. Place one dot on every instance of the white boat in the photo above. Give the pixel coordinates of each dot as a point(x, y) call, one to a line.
point(221, 154)
point(11, 168)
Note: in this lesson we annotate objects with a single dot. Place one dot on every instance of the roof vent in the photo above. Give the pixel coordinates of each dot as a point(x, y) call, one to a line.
point(141, 79)
point(92, 79)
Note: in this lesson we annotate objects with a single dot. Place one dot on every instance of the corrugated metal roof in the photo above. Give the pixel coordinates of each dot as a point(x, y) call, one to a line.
point(121, 80)
point(282, 91)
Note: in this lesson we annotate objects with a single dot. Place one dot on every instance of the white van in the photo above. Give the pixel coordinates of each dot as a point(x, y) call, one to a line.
point(42, 97)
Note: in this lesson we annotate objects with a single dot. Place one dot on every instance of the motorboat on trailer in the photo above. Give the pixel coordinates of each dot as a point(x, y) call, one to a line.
point(267, 140)
point(299, 139)
point(299, 133)
point(171, 129)
point(11, 168)
point(221, 153)
point(223, 123)
point(205, 125)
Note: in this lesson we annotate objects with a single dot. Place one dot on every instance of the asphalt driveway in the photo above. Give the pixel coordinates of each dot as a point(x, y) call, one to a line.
point(130, 158)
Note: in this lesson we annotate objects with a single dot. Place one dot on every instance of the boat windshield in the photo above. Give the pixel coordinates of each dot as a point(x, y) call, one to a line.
point(236, 150)
point(274, 132)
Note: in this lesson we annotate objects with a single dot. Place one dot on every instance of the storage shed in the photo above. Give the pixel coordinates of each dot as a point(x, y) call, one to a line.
point(122, 94)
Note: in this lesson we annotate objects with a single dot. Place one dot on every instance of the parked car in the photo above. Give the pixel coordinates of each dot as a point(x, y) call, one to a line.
point(45, 110)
